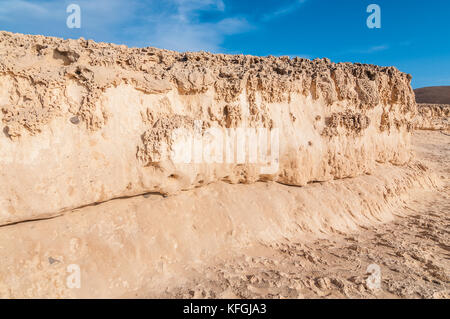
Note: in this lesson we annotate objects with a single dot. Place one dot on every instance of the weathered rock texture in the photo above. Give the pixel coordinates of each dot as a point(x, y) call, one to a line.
point(85, 122)
point(433, 117)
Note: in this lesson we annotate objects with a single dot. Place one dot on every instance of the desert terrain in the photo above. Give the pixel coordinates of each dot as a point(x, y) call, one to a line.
point(433, 95)
point(309, 175)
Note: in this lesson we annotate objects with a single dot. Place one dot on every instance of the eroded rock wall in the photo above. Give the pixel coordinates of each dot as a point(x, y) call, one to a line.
point(85, 122)
point(433, 116)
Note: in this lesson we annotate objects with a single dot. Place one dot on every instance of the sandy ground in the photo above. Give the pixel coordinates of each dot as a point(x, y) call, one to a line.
point(412, 252)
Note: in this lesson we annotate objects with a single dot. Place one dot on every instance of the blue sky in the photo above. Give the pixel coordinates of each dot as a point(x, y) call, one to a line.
point(414, 34)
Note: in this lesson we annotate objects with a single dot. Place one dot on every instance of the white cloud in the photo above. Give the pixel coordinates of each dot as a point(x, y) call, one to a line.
point(185, 32)
point(369, 50)
point(184, 35)
point(177, 26)
point(170, 24)
point(12, 9)
point(8, 6)
point(283, 11)
point(99, 19)
point(376, 48)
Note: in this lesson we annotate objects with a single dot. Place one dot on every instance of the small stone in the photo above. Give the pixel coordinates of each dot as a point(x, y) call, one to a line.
point(74, 120)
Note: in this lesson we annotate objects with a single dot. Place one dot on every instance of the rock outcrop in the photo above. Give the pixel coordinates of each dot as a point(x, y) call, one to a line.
point(86, 122)
point(433, 117)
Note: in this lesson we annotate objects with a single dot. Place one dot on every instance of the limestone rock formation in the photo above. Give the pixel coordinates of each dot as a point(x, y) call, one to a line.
point(433, 116)
point(86, 122)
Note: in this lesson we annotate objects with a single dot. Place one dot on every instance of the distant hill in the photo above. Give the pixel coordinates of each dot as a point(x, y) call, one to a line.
point(433, 94)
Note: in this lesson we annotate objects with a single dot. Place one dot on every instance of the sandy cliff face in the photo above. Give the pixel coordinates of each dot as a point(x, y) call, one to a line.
point(433, 116)
point(85, 122)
